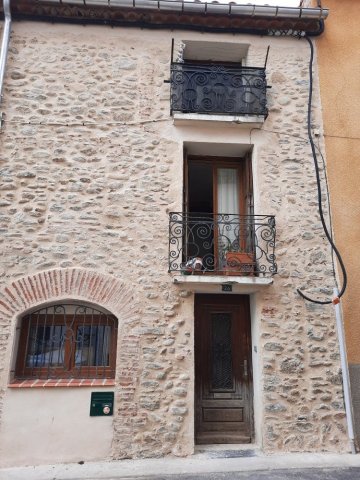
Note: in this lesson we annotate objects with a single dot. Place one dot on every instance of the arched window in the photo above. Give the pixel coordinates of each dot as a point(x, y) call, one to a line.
point(67, 341)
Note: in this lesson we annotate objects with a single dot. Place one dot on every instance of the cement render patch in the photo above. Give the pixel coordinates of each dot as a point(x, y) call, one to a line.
point(183, 467)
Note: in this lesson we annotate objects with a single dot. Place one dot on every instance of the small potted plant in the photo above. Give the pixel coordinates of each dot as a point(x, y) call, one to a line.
point(239, 262)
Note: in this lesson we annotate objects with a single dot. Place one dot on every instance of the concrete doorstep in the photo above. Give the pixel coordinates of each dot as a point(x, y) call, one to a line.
point(202, 462)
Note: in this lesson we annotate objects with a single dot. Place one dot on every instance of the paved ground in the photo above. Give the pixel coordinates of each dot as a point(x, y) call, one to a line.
point(208, 464)
point(311, 474)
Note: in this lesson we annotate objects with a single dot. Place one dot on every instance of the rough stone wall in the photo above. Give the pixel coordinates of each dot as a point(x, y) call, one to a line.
point(91, 165)
point(97, 197)
point(303, 402)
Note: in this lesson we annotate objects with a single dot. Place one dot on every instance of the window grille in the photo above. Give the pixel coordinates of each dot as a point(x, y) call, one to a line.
point(67, 341)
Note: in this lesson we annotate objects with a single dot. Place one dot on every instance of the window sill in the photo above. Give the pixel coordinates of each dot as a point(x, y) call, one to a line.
point(236, 120)
point(70, 382)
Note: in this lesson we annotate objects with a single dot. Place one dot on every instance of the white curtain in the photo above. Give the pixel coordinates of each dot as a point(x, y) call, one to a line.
point(227, 190)
point(228, 204)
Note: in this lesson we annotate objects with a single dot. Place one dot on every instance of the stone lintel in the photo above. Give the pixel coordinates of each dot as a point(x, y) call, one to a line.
point(213, 284)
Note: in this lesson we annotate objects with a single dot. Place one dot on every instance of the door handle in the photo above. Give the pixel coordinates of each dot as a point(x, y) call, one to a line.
point(245, 368)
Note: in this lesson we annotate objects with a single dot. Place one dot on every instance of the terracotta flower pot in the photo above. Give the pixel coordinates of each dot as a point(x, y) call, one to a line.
point(239, 263)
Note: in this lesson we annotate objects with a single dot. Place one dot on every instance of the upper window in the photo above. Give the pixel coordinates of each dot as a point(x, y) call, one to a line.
point(195, 50)
point(67, 341)
point(210, 78)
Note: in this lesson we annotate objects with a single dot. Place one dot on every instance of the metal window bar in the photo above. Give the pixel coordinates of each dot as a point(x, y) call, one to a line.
point(218, 89)
point(52, 332)
point(67, 341)
point(60, 310)
point(249, 250)
point(78, 342)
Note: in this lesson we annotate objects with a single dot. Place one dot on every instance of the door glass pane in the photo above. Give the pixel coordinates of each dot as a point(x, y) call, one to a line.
point(199, 231)
point(222, 369)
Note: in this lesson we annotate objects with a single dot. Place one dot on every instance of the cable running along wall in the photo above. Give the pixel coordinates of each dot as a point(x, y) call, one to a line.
point(318, 182)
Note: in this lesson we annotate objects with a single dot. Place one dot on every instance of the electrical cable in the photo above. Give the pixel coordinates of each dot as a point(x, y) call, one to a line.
point(318, 182)
point(329, 210)
point(341, 136)
point(86, 123)
point(89, 123)
point(152, 25)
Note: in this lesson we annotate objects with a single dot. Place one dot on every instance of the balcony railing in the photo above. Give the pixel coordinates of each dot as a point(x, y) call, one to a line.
point(201, 243)
point(218, 89)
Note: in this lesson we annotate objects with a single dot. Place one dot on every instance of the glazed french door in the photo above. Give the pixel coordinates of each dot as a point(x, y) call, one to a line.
point(217, 193)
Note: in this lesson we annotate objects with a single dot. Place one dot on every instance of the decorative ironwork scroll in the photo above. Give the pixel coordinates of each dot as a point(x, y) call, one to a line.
point(218, 89)
point(202, 243)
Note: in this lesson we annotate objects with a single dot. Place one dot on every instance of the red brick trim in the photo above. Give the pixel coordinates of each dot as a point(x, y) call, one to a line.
point(70, 283)
point(51, 383)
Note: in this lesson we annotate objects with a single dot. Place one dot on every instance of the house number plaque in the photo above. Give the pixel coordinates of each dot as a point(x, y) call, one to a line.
point(226, 288)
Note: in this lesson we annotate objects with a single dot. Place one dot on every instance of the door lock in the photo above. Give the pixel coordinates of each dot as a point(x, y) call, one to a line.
point(245, 368)
point(106, 410)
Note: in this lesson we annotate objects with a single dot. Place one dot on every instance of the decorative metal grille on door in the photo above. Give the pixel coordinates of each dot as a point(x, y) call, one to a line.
point(222, 371)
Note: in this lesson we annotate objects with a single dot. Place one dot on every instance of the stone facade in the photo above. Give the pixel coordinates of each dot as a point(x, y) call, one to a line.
point(91, 165)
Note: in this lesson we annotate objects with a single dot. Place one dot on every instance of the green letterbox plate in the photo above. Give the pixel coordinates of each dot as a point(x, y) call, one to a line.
point(102, 404)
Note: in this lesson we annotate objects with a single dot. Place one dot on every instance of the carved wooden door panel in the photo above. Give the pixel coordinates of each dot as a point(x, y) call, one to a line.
point(223, 374)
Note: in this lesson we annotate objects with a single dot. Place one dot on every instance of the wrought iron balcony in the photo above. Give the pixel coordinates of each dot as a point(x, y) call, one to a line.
point(218, 89)
point(222, 244)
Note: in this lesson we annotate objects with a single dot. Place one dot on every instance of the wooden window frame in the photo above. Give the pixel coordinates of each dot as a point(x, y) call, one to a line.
point(68, 369)
point(244, 173)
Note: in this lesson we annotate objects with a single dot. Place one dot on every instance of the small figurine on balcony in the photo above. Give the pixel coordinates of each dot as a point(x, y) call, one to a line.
point(193, 265)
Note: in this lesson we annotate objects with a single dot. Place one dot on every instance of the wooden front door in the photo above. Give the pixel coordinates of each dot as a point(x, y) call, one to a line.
point(223, 373)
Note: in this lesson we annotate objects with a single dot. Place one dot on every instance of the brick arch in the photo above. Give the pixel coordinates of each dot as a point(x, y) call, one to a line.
point(70, 283)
